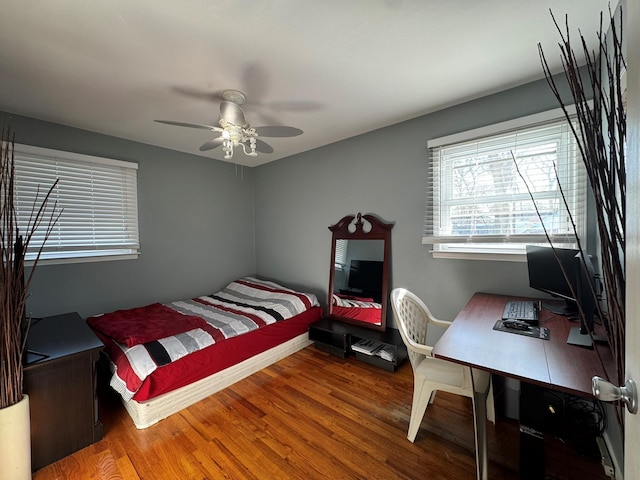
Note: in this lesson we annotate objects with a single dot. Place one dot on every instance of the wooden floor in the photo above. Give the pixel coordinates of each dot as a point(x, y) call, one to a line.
point(309, 416)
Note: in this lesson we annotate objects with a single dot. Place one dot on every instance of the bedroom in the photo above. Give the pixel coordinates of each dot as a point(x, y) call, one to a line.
point(272, 219)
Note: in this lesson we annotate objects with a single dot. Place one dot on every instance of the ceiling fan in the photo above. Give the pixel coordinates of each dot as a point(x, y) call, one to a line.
point(234, 131)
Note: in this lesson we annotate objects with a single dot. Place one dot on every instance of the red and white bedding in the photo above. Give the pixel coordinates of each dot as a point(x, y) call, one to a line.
point(352, 301)
point(357, 308)
point(158, 348)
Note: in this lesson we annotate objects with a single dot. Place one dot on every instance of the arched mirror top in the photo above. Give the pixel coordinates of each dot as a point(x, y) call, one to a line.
point(362, 227)
point(359, 271)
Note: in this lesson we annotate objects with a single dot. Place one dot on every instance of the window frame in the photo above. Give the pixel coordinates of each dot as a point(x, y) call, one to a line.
point(502, 247)
point(82, 179)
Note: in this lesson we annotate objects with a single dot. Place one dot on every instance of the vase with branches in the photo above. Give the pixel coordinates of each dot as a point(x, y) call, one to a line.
point(14, 287)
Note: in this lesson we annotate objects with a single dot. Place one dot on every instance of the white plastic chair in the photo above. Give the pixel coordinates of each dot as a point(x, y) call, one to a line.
point(431, 374)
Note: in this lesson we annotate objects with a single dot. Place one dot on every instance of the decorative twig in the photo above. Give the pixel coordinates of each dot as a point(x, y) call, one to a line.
point(600, 135)
point(14, 324)
point(569, 280)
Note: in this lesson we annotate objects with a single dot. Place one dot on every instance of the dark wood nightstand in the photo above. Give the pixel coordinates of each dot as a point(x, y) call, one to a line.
point(60, 379)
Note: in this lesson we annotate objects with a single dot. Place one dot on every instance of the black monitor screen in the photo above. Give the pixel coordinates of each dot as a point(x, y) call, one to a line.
point(365, 275)
point(546, 267)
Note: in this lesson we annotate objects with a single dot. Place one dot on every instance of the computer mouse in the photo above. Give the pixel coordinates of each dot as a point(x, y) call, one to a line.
point(516, 324)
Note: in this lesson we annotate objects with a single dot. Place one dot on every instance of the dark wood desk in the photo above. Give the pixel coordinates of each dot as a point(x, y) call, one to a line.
point(548, 364)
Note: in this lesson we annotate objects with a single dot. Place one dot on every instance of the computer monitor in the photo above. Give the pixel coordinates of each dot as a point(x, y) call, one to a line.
point(365, 276)
point(550, 271)
point(586, 298)
point(576, 286)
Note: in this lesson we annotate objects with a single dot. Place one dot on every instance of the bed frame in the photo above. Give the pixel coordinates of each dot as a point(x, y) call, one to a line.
point(147, 413)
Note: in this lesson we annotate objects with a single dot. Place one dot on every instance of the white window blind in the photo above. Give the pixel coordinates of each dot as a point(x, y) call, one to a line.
point(97, 198)
point(481, 182)
point(341, 254)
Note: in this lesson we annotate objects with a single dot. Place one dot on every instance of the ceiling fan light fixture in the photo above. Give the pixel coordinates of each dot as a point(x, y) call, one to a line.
point(227, 148)
point(252, 148)
point(234, 130)
point(234, 136)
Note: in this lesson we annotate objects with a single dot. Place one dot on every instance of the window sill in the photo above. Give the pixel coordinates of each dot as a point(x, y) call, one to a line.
point(493, 256)
point(85, 259)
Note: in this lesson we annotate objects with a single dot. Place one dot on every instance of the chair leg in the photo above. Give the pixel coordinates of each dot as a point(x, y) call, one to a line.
point(421, 395)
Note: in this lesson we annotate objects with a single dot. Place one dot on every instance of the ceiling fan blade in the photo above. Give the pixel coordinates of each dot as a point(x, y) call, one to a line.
point(294, 106)
point(232, 113)
point(198, 93)
point(263, 116)
point(263, 147)
point(211, 144)
point(278, 131)
point(255, 81)
point(190, 125)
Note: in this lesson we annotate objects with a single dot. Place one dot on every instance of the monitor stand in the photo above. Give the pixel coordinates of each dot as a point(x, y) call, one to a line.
point(560, 307)
point(576, 337)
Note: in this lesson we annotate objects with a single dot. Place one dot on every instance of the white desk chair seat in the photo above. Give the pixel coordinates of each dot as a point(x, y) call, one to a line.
point(432, 374)
point(442, 372)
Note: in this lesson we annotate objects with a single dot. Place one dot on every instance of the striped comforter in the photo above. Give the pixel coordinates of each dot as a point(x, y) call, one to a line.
point(242, 306)
point(342, 301)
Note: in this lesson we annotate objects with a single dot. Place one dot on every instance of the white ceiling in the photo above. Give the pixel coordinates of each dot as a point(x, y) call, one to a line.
point(334, 68)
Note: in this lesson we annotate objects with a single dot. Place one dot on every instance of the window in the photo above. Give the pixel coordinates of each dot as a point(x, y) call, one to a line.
point(97, 197)
point(341, 254)
point(481, 183)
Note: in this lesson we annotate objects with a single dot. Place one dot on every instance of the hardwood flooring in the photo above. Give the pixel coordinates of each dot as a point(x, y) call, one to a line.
point(309, 416)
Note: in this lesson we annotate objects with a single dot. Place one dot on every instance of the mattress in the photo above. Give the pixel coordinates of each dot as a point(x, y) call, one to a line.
point(149, 412)
point(163, 348)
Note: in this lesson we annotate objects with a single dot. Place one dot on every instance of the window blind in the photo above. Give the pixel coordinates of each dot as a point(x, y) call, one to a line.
point(480, 188)
point(96, 198)
point(341, 254)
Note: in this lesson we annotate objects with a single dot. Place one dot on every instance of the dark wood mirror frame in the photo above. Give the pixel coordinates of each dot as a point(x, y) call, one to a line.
point(362, 227)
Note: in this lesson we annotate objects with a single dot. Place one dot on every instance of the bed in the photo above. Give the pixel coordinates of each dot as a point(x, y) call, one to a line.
point(356, 308)
point(165, 357)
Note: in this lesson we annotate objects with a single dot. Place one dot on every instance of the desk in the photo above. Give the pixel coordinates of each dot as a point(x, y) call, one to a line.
point(548, 364)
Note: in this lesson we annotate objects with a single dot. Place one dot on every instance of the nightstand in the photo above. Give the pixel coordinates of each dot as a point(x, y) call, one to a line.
point(60, 379)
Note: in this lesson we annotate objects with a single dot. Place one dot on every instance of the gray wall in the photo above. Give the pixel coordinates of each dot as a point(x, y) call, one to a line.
point(196, 228)
point(198, 217)
point(383, 172)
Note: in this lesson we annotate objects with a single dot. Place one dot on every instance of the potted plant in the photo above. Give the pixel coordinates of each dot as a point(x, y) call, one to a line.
point(15, 445)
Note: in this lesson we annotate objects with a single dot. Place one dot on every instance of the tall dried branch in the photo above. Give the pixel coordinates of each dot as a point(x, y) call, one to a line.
point(13, 288)
point(601, 135)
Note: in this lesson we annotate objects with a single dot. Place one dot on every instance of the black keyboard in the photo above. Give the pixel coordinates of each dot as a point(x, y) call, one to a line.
point(521, 310)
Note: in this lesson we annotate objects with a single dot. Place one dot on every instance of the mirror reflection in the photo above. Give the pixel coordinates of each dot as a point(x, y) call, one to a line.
point(359, 270)
point(357, 280)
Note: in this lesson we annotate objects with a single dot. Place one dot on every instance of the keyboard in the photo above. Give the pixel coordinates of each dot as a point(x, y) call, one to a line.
point(521, 310)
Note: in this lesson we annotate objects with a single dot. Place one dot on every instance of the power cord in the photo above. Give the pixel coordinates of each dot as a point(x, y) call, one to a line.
point(578, 421)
